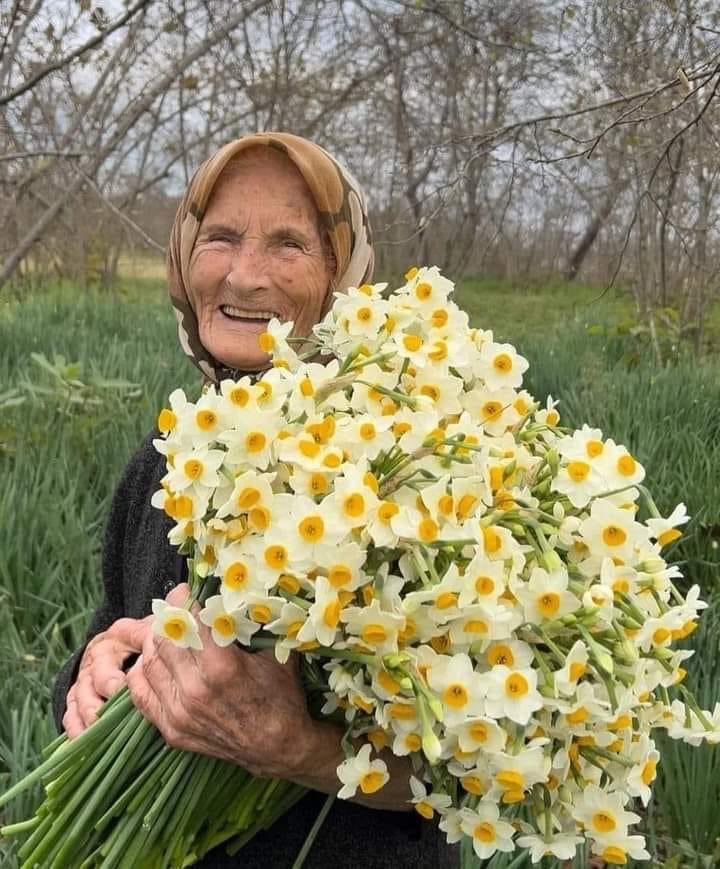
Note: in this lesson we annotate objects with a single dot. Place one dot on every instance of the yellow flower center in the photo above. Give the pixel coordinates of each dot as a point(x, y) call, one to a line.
point(603, 822)
point(307, 390)
point(594, 448)
point(255, 442)
point(248, 498)
point(548, 604)
point(484, 585)
point(669, 536)
point(236, 575)
point(311, 529)
point(626, 465)
point(276, 556)
point(510, 779)
point(364, 314)
point(456, 696)
point(475, 626)
point(289, 583)
point(516, 685)
point(318, 484)
point(354, 505)
point(412, 343)
point(402, 712)
point(266, 342)
point(391, 685)
point(439, 318)
point(259, 518)
point(425, 810)
point(649, 772)
point(373, 635)
point(473, 785)
point(428, 530)
point(175, 629)
point(331, 614)
point(491, 410)
point(614, 535)
point(578, 471)
point(579, 716)
point(339, 575)
point(439, 351)
point(206, 420)
point(309, 449)
point(260, 613)
point(445, 600)
point(332, 461)
point(577, 671)
point(478, 732)
point(493, 541)
point(193, 469)
point(367, 431)
point(166, 421)
point(183, 507)
point(615, 855)
point(431, 391)
point(485, 833)
point(501, 654)
point(466, 505)
point(423, 291)
point(371, 782)
point(225, 625)
point(503, 363)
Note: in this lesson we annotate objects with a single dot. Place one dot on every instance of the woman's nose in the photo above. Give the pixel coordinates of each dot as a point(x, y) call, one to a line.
point(248, 265)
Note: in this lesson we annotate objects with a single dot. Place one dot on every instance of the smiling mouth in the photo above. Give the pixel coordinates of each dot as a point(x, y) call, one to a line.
point(246, 314)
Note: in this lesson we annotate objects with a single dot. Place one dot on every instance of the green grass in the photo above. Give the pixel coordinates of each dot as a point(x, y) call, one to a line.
point(58, 466)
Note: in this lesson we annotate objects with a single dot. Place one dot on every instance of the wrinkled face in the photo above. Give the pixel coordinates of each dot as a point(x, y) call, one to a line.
point(259, 254)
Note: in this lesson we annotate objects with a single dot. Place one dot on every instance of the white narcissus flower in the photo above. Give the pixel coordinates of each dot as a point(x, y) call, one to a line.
point(665, 531)
point(427, 804)
point(196, 470)
point(603, 814)
point(360, 772)
point(581, 481)
point(560, 845)
point(373, 627)
point(616, 848)
point(324, 615)
point(512, 694)
point(176, 624)
point(488, 832)
point(575, 667)
point(545, 596)
point(612, 531)
point(226, 625)
point(461, 690)
point(500, 365)
point(619, 467)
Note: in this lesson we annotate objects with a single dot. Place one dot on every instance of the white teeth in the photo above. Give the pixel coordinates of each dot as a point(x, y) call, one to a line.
point(231, 311)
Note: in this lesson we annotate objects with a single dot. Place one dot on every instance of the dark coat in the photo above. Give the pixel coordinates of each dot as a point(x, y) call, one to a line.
point(139, 564)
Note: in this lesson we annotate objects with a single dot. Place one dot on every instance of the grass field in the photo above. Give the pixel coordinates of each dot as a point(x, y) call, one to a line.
point(63, 448)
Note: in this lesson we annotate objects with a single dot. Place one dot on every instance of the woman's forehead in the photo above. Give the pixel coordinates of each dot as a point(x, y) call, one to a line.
point(268, 174)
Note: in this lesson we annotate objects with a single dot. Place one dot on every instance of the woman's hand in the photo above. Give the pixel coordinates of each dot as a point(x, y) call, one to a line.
point(224, 702)
point(100, 674)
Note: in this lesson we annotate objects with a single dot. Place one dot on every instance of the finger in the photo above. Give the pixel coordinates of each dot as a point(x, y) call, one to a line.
point(71, 722)
point(143, 694)
point(129, 632)
point(87, 700)
point(179, 595)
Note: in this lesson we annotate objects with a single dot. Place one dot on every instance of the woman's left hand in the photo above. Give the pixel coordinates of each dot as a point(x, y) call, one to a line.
point(224, 702)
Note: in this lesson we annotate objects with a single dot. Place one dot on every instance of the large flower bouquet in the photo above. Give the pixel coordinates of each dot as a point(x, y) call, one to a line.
point(467, 583)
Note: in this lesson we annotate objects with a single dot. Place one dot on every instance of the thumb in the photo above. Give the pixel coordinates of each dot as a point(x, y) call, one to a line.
point(179, 595)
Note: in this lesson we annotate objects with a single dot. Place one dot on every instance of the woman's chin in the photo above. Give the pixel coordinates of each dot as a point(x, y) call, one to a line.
point(238, 347)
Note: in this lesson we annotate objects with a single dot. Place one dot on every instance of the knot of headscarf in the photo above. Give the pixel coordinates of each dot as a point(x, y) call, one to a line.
point(341, 205)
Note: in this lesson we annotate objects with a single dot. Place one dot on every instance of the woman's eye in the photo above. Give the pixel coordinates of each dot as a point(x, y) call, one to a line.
point(292, 243)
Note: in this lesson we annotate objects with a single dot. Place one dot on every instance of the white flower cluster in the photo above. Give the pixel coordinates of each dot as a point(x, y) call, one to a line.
point(473, 580)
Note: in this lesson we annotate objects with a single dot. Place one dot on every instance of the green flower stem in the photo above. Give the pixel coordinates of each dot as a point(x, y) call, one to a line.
point(21, 827)
point(163, 798)
point(690, 701)
point(315, 829)
point(199, 774)
point(95, 734)
point(608, 755)
point(135, 788)
point(56, 839)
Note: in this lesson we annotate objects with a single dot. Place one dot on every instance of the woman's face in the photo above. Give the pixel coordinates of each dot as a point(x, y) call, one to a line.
point(259, 254)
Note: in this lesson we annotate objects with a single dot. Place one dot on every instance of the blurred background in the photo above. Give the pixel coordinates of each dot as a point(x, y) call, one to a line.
point(559, 161)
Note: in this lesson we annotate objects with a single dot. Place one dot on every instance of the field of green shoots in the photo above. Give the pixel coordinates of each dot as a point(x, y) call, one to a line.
point(83, 377)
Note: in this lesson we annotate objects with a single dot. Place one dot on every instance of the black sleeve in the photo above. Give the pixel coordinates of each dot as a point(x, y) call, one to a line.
point(113, 605)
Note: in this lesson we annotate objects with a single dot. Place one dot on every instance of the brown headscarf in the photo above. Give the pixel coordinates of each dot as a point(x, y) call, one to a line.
point(343, 216)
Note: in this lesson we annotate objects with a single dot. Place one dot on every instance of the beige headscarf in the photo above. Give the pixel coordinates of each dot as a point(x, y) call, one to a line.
point(343, 215)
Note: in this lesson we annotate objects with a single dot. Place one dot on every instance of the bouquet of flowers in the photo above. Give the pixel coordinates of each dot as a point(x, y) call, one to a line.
point(467, 583)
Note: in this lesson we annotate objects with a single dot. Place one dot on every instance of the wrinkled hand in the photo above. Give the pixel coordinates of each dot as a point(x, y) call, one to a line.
point(224, 702)
point(100, 674)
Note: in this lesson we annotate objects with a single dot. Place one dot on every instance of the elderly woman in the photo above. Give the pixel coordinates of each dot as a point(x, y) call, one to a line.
point(269, 227)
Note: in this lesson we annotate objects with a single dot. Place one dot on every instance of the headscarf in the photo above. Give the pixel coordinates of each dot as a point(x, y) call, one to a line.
point(341, 205)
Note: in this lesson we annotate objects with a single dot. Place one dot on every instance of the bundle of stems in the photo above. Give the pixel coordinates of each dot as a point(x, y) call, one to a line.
point(118, 797)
